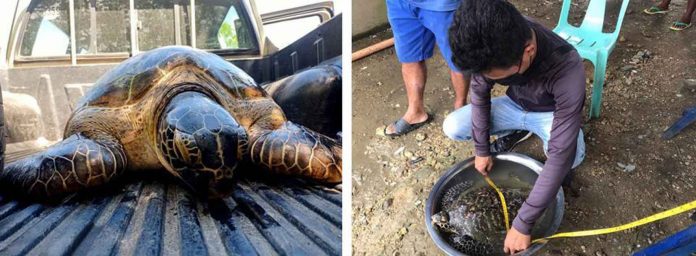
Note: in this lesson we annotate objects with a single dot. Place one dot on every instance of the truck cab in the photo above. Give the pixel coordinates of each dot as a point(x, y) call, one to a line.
point(55, 50)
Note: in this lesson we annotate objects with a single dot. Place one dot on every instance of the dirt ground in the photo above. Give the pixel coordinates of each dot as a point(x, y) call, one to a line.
point(641, 99)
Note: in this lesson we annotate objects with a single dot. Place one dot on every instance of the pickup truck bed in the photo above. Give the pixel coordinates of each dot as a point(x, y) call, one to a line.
point(155, 216)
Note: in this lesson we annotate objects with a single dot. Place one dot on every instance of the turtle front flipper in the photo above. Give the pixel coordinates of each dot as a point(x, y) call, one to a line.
point(199, 140)
point(73, 164)
point(294, 150)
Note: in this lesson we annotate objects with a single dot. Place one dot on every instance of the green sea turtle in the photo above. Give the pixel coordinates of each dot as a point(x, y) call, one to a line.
point(473, 221)
point(180, 109)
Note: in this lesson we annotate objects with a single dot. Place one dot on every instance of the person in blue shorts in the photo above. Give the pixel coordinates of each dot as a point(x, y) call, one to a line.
point(417, 26)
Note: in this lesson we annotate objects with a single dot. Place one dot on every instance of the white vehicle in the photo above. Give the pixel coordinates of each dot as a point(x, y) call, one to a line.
point(52, 51)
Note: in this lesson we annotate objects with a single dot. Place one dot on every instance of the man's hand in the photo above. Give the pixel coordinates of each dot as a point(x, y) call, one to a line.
point(483, 164)
point(516, 241)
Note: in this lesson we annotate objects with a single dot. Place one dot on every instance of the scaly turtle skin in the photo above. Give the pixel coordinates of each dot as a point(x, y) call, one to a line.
point(474, 221)
point(184, 110)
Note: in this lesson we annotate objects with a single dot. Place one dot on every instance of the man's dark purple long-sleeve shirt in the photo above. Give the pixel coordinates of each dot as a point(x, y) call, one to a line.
point(556, 82)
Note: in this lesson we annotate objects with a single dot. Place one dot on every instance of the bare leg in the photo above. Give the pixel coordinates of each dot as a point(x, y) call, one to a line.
point(460, 82)
point(414, 74)
point(664, 5)
point(690, 7)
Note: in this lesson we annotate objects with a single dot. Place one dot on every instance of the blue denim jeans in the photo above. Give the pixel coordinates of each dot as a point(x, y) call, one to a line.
point(507, 116)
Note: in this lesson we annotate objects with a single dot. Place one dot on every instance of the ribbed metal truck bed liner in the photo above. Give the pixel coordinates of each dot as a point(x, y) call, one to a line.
point(153, 217)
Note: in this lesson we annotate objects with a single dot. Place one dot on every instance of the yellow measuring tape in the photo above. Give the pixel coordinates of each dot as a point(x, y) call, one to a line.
point(502, 201)
point(655, 217)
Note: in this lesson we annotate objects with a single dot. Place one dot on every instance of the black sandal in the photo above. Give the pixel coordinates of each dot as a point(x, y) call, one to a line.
point(402, 127)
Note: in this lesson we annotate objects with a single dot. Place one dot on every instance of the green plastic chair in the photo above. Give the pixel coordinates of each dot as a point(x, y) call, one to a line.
point(591, 43)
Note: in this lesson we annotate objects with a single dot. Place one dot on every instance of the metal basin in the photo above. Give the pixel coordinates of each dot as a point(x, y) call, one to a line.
point(509, 170)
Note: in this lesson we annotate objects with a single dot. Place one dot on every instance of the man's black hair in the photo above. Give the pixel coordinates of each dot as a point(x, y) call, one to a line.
point(487, 34)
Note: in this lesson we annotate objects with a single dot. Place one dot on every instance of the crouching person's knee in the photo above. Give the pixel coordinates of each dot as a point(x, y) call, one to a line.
point(456, 127)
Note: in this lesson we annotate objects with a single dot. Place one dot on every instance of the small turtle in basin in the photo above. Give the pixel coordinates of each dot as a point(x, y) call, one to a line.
point(180, 109)
point(473, 222)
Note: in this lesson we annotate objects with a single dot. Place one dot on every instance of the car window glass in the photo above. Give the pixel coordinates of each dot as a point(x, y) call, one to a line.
point(276, 32)
point(227, 34)
point(222, 25)
point(102, 26)
point(47, 32)
point(155, 23)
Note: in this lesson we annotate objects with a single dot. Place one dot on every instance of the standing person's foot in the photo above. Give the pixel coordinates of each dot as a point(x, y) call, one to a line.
point(405, 125)
point(656, 9)
point(510, 141)
point(680, 25)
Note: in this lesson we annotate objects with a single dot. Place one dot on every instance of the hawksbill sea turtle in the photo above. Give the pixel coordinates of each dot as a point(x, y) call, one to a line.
point(473, 221)
point(180, 109)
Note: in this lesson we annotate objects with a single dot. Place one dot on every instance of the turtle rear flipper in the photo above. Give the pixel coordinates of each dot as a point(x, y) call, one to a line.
point(294, 150)
point(73, 164)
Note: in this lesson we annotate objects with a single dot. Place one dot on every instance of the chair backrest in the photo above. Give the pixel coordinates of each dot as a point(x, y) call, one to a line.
point(563, 18)
point(594, 17)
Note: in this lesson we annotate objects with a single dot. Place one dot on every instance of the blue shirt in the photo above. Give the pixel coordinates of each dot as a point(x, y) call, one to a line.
point(436, 5)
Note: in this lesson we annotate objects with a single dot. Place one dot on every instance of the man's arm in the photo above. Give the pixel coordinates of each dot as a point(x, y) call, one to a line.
point(569, 94)
point(481, 114)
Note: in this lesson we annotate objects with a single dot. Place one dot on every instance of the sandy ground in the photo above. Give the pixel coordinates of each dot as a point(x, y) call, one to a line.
point(640, 101)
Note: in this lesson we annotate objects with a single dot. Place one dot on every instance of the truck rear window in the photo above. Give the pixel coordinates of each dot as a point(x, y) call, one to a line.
point(47, 31)
point(219, 25)
point(104, 26)
point(101, 26)
point(222, 25)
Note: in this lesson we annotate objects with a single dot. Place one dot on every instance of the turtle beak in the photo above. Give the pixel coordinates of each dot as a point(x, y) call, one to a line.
point(204, 185)
point(220, 189)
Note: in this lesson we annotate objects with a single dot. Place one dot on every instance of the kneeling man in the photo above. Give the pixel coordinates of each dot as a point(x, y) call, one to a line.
point(546, 93)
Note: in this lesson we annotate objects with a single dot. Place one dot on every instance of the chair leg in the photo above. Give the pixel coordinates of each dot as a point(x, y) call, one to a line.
point(598, 87)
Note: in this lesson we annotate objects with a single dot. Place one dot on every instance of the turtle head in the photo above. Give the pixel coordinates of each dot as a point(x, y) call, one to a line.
point(199, 141)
